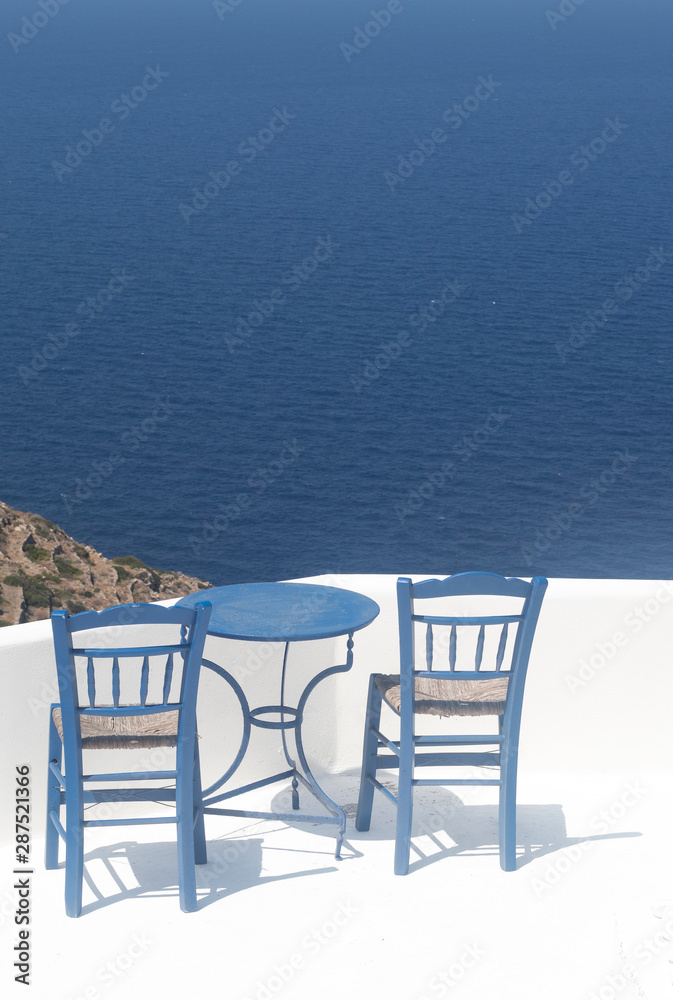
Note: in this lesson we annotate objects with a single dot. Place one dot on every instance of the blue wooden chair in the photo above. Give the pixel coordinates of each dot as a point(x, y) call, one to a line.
point(125, 696)
point(469, 640)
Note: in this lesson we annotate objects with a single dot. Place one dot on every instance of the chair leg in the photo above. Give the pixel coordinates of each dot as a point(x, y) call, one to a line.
point(74, 848)
point(507, 817)
point(184, 804)
point(52, 837)
point(405, 808)
point(200, 852)
point(369, 753)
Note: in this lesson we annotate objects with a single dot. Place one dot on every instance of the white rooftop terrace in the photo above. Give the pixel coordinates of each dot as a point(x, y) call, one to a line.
point(278, 916)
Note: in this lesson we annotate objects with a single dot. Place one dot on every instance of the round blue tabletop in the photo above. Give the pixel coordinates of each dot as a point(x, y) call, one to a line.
point(284, 612)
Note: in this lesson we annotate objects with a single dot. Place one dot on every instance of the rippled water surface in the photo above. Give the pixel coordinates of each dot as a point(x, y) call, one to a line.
point(291, 306)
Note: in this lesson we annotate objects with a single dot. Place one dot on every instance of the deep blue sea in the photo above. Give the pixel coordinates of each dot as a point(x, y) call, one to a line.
point(290, 287)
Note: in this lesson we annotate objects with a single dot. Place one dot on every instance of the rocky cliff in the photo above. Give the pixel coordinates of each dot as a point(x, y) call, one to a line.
point(42, 568)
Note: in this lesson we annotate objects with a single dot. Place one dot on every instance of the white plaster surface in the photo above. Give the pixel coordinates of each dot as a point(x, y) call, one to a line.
point(280, 917)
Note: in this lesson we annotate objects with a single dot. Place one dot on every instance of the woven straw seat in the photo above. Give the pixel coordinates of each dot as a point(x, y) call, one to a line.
point(120, 732)
point(447, 697)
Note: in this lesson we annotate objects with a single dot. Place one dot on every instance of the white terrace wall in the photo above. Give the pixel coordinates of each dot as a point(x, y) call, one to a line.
point(598, 696)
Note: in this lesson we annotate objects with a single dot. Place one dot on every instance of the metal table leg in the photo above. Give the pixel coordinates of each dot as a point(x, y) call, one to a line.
point(290, 718)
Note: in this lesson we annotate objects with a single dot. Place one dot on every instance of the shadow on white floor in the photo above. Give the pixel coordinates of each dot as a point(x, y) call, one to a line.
point(279, 916)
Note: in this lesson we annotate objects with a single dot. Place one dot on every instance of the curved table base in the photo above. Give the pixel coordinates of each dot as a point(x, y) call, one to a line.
point(290, 719)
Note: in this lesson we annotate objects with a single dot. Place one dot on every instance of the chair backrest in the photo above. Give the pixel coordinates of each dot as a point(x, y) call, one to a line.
point(154, 679)
point(495, 643)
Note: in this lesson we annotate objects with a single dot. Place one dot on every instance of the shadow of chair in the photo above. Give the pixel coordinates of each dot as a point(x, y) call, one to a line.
point(129, 869)
point(444, 825)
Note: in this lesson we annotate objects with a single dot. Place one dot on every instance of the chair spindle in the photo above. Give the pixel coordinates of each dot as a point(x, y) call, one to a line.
point(115, 682)
point(168, 676)
point(91, 681)
point(144, 680)
point(480, 648)
point(501, 647)
point(452, 648)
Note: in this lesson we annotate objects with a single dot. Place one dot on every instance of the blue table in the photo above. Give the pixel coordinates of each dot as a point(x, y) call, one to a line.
point(282, 612)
